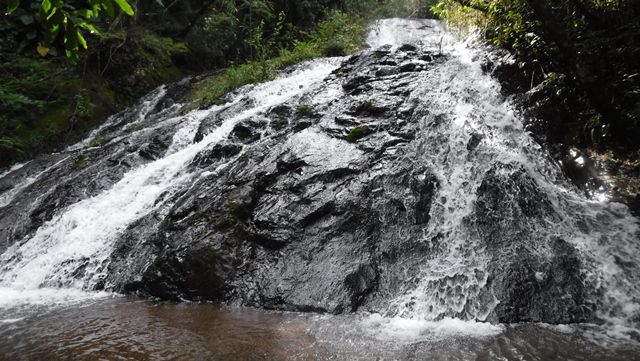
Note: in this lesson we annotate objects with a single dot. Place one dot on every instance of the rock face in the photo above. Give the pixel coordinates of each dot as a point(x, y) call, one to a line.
point(324, 208)
point(305, 216)
point(399, 184)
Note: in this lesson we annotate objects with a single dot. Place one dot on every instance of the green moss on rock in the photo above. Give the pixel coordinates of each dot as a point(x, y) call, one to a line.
point(358, 133)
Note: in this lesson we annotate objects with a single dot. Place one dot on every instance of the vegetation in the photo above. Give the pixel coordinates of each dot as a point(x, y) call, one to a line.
point(305, 111)
point(339, 32)
point(336, 35)
point(358, 133)
point(584, 52)
point(67, 64)
point(61, 23)
point(52, 90)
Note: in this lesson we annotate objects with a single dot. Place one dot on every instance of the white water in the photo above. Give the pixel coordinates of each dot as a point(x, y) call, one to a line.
point(70, 252)
point(12, 169)
point(450, 284)
point(429, 34)
point(454, 284)
point(410, 330)
point(8, 196)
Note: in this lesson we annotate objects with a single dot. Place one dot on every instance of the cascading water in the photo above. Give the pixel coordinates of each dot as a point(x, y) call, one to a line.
point(71, 250)
point(476, 131)
point(398, 182)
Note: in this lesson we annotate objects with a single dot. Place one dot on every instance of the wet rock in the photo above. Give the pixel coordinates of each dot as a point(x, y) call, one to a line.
point(408, 67)
point(474, 141)
point(302, 124)
point(530, 286)
point(332, 205)
point(214, 120)
point(368, 109)
point(408, 48)
point(537, 290)
point(198, 274)
point(386, 71)
point(346, 120)
point(356, 84)
point(217, 152)
point(249, 130)
point(154, 149)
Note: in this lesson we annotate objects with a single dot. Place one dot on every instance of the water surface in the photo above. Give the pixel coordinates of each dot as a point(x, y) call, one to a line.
point(130, 329)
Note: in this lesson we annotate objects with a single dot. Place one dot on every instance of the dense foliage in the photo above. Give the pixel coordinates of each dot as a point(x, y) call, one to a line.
point(61, 23)
point(584, 51)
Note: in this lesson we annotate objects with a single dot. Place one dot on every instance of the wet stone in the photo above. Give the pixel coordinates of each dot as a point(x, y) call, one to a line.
point(340, 190)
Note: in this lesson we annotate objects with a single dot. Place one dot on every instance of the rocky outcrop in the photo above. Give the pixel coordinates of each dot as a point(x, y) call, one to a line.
point(333, 201)
point(324, 208)
point(303, 219)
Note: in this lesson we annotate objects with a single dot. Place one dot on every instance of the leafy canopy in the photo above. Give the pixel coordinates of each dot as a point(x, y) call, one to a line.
point(64, 22)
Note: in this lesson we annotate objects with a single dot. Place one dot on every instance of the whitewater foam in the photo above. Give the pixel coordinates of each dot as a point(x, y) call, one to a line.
point(411, 330)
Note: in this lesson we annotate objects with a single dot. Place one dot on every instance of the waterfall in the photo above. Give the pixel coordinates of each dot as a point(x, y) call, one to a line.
point(481, 133)
point(499, 201)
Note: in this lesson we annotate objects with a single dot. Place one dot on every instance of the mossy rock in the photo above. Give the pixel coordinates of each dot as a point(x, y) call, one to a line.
point(80, 161)
point(98, 142)
point(305, 111)
point(358, 133)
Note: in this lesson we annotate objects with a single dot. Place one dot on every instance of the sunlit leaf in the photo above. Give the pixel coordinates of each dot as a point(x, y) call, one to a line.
point(81, 39)
point(53, 12)
point(92, 29)
point(46, 6)
point(125, 7)
point(42, 50)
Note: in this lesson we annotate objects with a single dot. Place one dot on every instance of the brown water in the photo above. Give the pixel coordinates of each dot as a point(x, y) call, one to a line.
point(130, 329)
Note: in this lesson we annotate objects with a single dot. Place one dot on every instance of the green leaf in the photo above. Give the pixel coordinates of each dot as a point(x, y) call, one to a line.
point(92, 29)
point(26, 19)
point(81, 39)
point(72, 55)
point(53, 12)
point(124, 5)
point(12, 5)
point(46, 6)
point(53, 32)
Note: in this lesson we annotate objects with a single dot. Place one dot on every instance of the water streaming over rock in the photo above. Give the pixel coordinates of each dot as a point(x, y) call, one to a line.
point(71, 249)
point(398, 181)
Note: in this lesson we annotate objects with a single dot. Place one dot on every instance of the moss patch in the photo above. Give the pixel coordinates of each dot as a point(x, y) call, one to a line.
point(80, 161)
point(358, 133)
